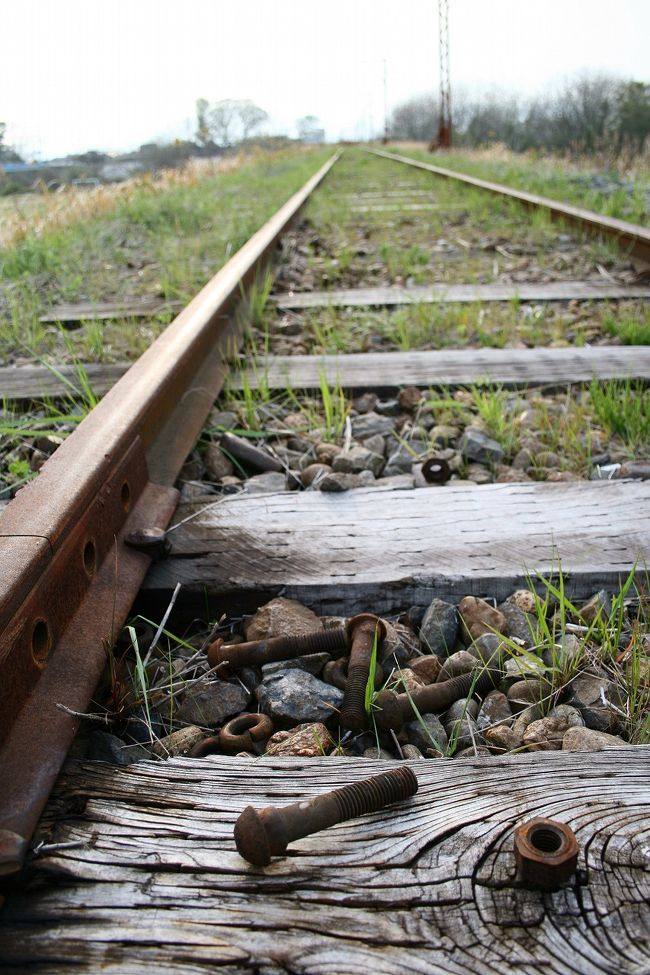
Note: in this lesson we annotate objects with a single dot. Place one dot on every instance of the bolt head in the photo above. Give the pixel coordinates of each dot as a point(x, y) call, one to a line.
point(251, 838)
point(388, 712)
point(366, 619)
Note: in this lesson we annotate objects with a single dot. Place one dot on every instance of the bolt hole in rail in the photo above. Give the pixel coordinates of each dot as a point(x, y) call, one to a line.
point(64, 534)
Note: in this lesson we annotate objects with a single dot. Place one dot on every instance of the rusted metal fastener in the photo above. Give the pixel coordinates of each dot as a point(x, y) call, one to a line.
point(257, 652)
point(248, 455)
point(264, 833)
point(152, 541)
point(336, 673)
point(362, 630)
point(392, 710)
point(546, 852)
point(436, 470)
point(244, 732)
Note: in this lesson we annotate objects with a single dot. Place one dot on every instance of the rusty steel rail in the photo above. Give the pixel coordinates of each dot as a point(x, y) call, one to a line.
point(67, 575)
point(631, 237)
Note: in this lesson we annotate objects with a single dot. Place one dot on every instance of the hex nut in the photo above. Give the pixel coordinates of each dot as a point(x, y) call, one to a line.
point(546, 852)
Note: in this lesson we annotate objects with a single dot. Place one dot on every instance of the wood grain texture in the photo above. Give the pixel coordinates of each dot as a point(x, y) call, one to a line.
point(153, 881)
point(447, 293)
point(342, 553)
point(375, 370)
point(453, 367)
point(94, 311)
point(38, 382)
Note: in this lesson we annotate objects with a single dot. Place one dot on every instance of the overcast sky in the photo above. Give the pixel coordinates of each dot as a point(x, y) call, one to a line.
point(111, 74)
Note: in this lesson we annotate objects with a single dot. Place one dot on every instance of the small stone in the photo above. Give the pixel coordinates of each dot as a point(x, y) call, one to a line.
point(427, 667)
point(48, 443)
point(398, 645)
point(178, 743)
point(282, 617)
point(524, 599)
point(639, 471)
point(439, 628)
point(335, 483)
point(461, 709)
point(304, 741)
point(479, 474)
point(326, 452)
point(519, 625)
point(461, 662)
point(376, 444)
point(209, 702)
point(411, 752)
point(571, 715)
point(268, 483)
point(487, 648)
point(378, 753)
point(502, 739)
point(476, 445)
point(594, 696)
point(312, 471)
point(358, 459)
point(365, 403)
point(474, 751)
point(295, 696)
point(524, 668)
point(444, 435)
point(547, 458)
point(511, 476)
point(523, 693)
point(217, 465)
point(526, 717)
point(589, 740)
point(387, 407)
point(405, 680)
point(478, 617)
point(522, 460)
point(430, 738)
point(545, 735)
point(371, 424)
point(462, 733)
point(223, 420)
point(105, 747)
point(598, 606)
point(495, 710)
point(366, 479)
point(409, 398)
point(192, 469)
point(311, 663)
point(402, 459)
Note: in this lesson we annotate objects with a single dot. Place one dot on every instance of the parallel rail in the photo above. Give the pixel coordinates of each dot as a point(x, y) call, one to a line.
point(631, 237)
point(67, 576)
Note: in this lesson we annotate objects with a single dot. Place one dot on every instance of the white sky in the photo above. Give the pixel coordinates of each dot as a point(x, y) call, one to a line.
point(111, 74)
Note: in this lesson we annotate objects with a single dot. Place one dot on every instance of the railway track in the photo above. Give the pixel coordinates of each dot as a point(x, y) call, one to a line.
point(71, 573)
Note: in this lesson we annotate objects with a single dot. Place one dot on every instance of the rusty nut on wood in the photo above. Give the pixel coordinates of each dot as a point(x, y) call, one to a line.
point(546, 852)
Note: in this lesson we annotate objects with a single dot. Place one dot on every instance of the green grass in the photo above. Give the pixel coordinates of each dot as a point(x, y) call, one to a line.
point(630, 330)
point(623, 409)
point(151, 244)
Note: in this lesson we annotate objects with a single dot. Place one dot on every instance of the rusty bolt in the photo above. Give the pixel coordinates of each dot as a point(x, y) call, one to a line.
point(362, 630)
point(336, 673)
point(264, 833)
point(231, 657)
point(394, 709)
point(546, 852)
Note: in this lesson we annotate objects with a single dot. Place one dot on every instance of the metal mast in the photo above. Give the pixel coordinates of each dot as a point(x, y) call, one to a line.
point(444, 124)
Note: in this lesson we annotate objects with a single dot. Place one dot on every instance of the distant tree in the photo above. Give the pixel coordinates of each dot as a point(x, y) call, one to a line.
point(309, 129)
point(7, 154)
point(415, 119)
point(633, 114)
point(251, 116)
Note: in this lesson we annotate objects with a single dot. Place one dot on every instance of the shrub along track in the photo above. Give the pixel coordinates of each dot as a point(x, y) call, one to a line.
point(434, 879)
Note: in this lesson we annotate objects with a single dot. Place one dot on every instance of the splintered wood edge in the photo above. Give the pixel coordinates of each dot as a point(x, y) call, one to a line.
point(152, 880)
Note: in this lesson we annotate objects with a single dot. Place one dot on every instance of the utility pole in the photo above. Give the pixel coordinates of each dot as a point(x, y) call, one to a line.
point(443, 141)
